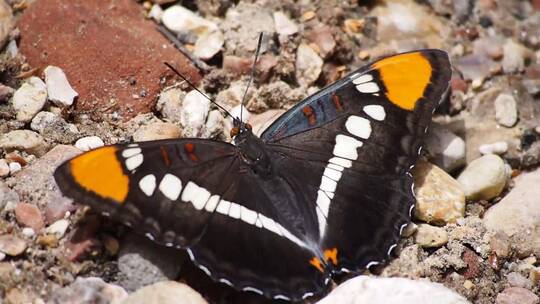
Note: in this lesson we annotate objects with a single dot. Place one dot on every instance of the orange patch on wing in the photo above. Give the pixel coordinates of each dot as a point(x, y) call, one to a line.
point(165, 156)
point(405, 78)
point(337, 103)
point(99, 171)
point(317, 264)
point(331, 255)
point(310, 114)
point(190, 150)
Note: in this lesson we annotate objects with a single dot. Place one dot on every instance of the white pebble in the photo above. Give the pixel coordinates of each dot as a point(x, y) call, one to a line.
point(208, 45)
point(284, 25)
point(308, 65)
point(4, 168)
point(89, 143)
point(156, 12)
point(29, 99)
point(2, 256)
point(499, 147)
point(58, 228)
point(28, 232)
point(14, 167)
point(235, 112)
point(194, 112)
point(59, 90)
point(506, 110)
point(179, 19)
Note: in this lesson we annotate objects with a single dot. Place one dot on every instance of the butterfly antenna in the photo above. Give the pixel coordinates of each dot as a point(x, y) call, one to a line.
point(259, 43)
point(195, 88)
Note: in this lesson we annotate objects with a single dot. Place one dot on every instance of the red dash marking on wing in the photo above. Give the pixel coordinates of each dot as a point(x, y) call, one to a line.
point(190, 150)
point(165, 156)
point(316, 262)
point(310, 114)
point(337, 102)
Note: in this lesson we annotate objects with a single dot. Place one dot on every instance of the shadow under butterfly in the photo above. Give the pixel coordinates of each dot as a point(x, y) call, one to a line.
point(326, 190)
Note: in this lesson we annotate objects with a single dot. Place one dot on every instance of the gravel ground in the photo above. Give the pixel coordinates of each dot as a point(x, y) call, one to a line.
point(78, 74)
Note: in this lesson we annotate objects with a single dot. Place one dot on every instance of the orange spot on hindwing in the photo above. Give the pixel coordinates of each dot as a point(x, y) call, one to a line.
point(330, 255)
point(316, 262)
point(405, 78)
point(100, 172)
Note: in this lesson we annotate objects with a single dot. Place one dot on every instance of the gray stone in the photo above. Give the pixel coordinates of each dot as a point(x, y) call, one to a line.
point(58, 88)
point(29, 99)
point(308, 65)
point(514, 56)
point(7, 196)
point(447, 149)
point(23, 140)
point(169, 292)
point(12, 245)
point(506, 110)
point(373, 290)
point(169, 104)
point(142, 262)
point(518, 214)
point(54, 127)
point(515, 279)
point(89, 290)
point(484, 178)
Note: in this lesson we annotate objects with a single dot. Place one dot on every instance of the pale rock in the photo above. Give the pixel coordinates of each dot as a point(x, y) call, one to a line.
point(515, 279)
point(180, 20)
point(517, 295)
point(447, 149)
point(58, 88)
point(2, 256)
point(484, 178)
point(29, 99)
point(165, 292)
point(156, 13)
point(58, 228)
point(195, 108)
point(23, 140)
point(89, 143)
point(429, 236)
point(169, 104)
point(498, 148)
point(214, 124)
point(475, 67)
point(232, 96)
point(518, 214)
point(90, 290)
point(514, 56)
point(14, 167)
point(323, 39)
point(28, 232)
point(156, 131)
point(284, 25)
point(6, 21)
point(208, 45)
point(261, 122)
point(439, 197)
point(4, 168)
point(308, 65)
point(12, 49)
point(506, 110)
point(12, 245)
point(53, 126)
point(238, 111)
point(373, 290)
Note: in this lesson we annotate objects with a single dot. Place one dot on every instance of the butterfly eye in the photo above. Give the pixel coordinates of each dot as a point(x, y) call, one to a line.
point(234, 131)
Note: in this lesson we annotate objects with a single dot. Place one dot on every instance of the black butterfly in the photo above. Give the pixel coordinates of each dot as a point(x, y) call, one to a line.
point(325, 190)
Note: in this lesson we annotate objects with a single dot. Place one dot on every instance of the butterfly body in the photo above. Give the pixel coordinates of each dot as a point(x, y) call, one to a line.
point(325, 190)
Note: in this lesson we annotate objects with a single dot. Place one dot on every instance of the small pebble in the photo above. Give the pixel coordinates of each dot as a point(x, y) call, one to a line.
point(166, 292)
point(500, 244)
point(484, 178)
point(14, 167)
point(323, 38)
point(354, 25)
point(308, 15)
point(28, 232)
point(5, 93)
point(58, 228)
point(514, 57)
point(308, 65)
point(516, 295)
point(28, 215)
point(156, 13)
point(48, 240)
point(515, 279)
point(179, 19)
point(29, 99)
point(429, 236)
point(209, 45)
point(195, 108)
point(534, 276)
point(506, 110)
point(23, 140)
point(468, 284)
point(12, 245)
point(89, 143)
point(498, 148)
point(284, 25)
point(4, 168)
point(58, 88)
point(439, 197)
point(156, 131)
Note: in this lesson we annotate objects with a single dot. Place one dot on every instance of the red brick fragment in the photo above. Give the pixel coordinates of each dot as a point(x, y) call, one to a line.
point(111, 55)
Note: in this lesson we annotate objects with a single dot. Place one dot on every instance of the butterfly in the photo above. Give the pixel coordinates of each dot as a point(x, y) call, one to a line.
point(325, 190)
